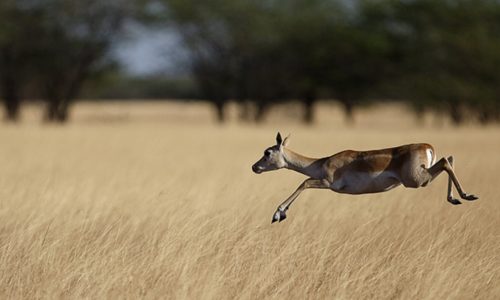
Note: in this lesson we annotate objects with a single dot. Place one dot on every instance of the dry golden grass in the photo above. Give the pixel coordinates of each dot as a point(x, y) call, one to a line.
point(141, 206)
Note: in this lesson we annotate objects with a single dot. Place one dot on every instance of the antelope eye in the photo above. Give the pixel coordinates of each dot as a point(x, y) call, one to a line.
point(267, 153)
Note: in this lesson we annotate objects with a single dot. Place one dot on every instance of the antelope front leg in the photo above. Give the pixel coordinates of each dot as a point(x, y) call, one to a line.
point(280, 213)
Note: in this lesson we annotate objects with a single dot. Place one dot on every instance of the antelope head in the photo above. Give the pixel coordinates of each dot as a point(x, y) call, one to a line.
point(273, 158)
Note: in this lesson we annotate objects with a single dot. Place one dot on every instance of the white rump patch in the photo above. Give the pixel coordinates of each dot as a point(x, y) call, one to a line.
point(430, 157)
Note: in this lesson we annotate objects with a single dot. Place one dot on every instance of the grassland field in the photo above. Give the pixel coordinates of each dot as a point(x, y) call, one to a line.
point(155, 200)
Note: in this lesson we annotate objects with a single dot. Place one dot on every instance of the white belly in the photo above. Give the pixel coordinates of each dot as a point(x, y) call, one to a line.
point(360, 183)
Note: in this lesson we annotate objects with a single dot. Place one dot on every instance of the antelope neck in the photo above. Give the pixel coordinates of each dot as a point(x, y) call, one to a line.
point(302, 164)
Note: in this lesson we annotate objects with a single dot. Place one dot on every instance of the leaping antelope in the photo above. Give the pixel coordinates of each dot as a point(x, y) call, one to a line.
point(361, 172)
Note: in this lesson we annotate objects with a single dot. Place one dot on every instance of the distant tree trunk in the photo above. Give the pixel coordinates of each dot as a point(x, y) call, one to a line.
point(219, 108)
point(456, 114)
point(309, 101)
point(261, 110)
point(62, 91)
point(57, 110)
point(348, 111)
point(10, 85)
point(53, 96)
point(12, 99)
point(71, 93)
point(63, 111)
point(51, 111)
point(484, 116)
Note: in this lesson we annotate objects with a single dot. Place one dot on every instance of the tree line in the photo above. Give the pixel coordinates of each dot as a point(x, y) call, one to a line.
point(434, 55)
point(49, 48)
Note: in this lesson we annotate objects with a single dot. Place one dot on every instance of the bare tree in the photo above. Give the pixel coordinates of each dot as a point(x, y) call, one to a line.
point(78, 35)
point(18, 35)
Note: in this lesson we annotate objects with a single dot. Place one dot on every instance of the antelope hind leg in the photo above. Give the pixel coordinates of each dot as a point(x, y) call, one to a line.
point(449, 195)
point(445, 165)
point(453, 178)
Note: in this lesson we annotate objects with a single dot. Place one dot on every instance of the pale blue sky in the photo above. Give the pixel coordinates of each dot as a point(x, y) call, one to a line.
point(146, 51)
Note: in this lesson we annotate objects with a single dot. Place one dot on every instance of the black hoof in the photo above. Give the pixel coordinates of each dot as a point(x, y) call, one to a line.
point(454, 201)
point(469, 197)
point(279, 216)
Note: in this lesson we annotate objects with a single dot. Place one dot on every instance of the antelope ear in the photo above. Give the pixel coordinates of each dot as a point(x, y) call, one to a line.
point(278, 139)
point(286, 142)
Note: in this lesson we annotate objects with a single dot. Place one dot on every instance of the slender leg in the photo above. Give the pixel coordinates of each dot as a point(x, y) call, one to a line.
point(449, 195)
point(463, 195)
point(444, 165)
point(280, 213)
